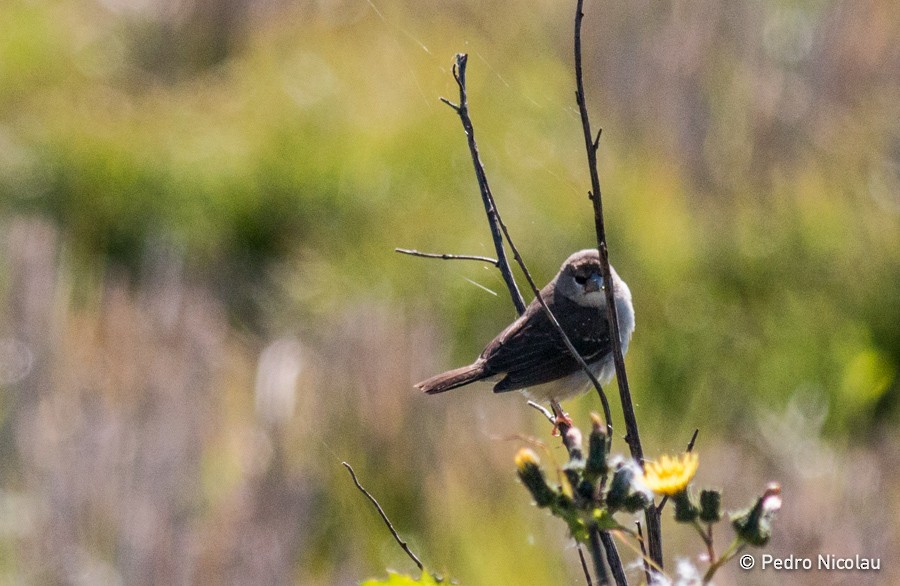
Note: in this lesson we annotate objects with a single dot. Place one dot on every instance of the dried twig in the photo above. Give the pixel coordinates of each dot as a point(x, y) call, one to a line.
point(486, 259)
point(632, 437)
point(384, 517)
point(490, 208)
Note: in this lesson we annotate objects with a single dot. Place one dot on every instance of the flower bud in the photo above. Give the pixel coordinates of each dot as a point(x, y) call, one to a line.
point(575, 467)
point(596, 465)
point(638, 500)
point(754, 525)
point(710, 506)
point(572, 441)
point(686, 510)
point(627, 490)
point(531, 475)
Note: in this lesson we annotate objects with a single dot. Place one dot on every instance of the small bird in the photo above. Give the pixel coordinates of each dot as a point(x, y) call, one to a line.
point(529, 354)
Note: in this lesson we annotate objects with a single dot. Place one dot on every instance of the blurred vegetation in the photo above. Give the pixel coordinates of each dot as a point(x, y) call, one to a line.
point(193, 190)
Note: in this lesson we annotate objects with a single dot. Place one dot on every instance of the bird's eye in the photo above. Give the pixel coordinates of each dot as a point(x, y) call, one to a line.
point(581, 279)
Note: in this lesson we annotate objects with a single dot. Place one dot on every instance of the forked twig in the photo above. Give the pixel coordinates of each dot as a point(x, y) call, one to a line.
point(487, 198)
point(598, 541)
point(384, 517)
point(462, 109)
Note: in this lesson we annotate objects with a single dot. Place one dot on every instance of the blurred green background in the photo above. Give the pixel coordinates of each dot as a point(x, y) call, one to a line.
point(201, 313)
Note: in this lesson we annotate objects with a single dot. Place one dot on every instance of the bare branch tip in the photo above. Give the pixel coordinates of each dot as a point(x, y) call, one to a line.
point(596, 143)
point(451, 104)
point(690, 446)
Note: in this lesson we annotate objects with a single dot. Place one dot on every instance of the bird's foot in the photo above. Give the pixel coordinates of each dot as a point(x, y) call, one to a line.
point(562, 421)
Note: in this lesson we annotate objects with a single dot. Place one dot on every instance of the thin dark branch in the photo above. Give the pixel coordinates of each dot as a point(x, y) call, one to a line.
point(630, 422)
point(612, 556)
point(587, 573)
point(654, 537)
point(384, 517)
point(632, 437)
point(598, 555)
point(490, 208)
point(643, 551)
point(410, 252)
point(690, 448)
point(459, 73)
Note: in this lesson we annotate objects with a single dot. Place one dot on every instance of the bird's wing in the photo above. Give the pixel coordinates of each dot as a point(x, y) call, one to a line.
point(530, 351)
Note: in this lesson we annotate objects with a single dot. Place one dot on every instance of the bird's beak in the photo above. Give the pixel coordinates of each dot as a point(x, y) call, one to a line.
point(595, 283)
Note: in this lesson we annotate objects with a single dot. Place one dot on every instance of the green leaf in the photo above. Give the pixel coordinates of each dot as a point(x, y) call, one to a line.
point(605, 521)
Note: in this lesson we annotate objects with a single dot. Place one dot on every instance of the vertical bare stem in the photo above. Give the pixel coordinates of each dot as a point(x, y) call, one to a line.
point(615, 562)
point(632, 437)
point(597, 554)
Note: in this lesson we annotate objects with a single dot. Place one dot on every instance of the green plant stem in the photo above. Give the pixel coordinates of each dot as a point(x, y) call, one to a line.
point(706, 536)
point(714, 566)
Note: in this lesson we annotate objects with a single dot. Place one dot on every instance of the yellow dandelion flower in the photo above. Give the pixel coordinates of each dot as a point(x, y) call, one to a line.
point(670, 476)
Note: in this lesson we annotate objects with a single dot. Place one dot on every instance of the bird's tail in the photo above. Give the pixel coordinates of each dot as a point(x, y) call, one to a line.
point(453, 378)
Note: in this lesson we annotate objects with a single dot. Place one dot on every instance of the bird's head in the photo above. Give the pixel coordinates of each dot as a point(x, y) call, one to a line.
point(580, 279)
